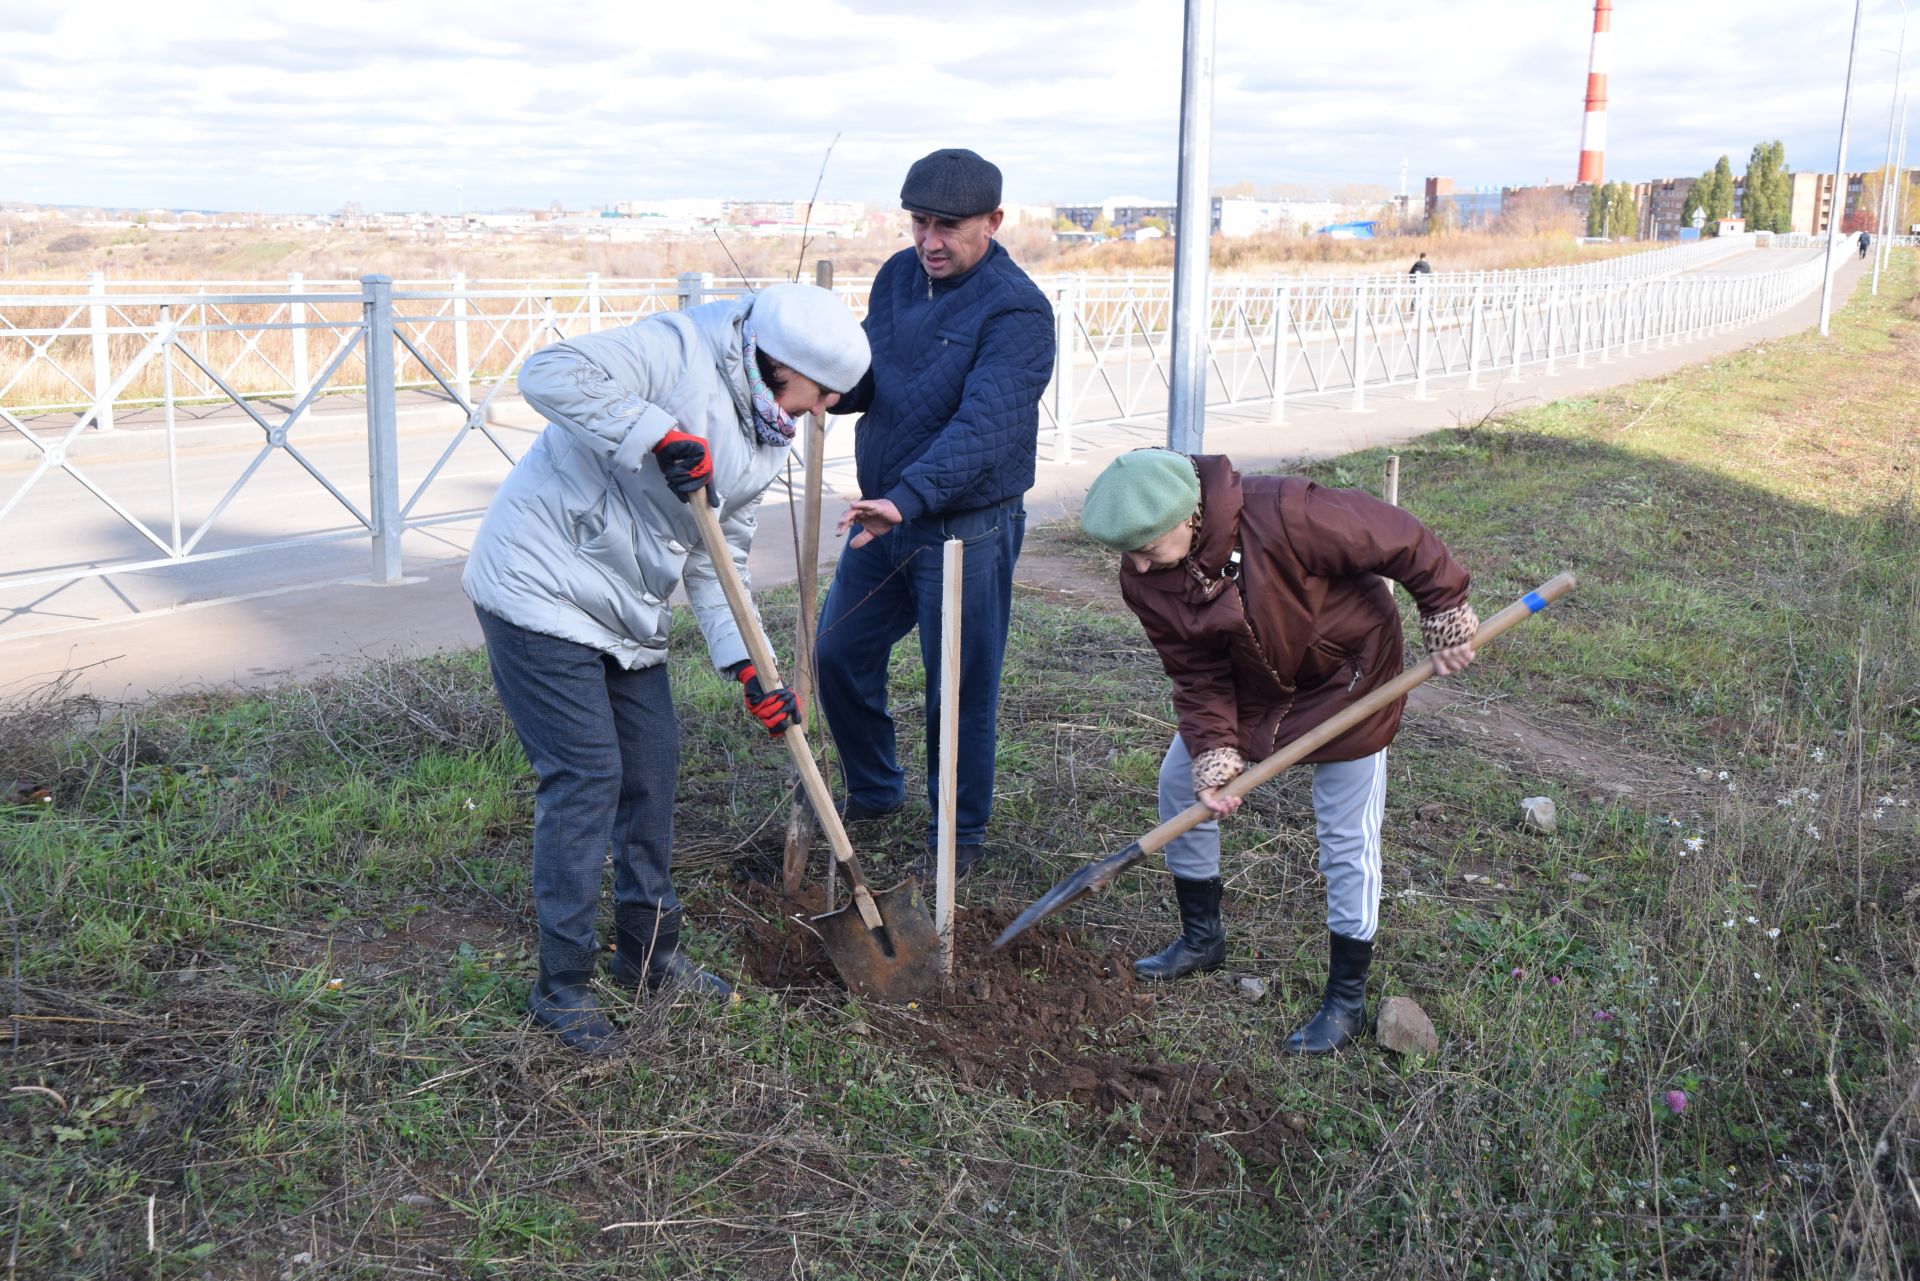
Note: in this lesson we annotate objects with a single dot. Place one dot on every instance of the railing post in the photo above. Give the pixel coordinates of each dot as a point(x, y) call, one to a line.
point(688, 286)
point(1606, 324)
point(1422, 312)
point(1513, 334)
point(1582, 292)
point(1359, 402)
point(1473, 341)
point(1282, 373)
point(102, 354)
point(1553, 325)
point(462, 343)
point(593, 302)
point(1065, 321)
point(297, 317)
point(383, 429)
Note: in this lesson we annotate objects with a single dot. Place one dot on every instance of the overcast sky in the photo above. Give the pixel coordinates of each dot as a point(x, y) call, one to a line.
point(397, 104)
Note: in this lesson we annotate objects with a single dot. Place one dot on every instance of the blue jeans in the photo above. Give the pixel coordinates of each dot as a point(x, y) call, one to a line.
point(606, 748)
point(880, 593)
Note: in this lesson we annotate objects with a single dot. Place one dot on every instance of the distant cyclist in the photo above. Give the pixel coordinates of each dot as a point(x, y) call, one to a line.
point(1865, 242)
point(1420, 266)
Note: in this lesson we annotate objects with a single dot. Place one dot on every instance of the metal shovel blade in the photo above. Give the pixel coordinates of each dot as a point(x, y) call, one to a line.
point(1092, 877)
point(896, 962)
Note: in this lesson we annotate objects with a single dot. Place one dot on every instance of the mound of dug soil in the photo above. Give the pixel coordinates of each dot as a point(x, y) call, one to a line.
point(1051, 1018)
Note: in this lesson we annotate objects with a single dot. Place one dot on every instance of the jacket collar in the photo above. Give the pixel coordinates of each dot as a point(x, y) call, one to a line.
point(718, 325)
point(1213, 546)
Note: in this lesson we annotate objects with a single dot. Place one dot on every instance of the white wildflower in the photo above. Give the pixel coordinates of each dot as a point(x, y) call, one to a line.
point(1695, 843)
point(1784, 802)
point(1884, 800)
point(1813, 797)
point(1753, 920)
point(1813, 831)
point(471, 805)
point(1819, 755)
point(1727, 924)
point(1722, 776)
point(1774, 933)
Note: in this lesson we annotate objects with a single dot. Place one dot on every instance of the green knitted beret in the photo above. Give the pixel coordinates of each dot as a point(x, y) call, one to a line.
point(1140, 496)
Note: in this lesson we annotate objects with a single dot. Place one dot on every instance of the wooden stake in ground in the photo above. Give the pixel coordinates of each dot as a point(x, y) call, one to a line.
point(806, 560)
point(953, 559)
point(1392, 496)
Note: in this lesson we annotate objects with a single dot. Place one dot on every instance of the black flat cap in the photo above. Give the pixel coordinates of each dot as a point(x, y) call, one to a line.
point(951, 183)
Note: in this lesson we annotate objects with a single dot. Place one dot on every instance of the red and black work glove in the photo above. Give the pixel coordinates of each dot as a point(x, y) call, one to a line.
point(687, 465)
point(775, 709)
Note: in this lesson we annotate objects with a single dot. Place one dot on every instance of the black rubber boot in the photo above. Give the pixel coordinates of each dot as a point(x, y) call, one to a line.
point(562, 1002)
point(1343, 1009)
point(1202, 944)
point(647, 949)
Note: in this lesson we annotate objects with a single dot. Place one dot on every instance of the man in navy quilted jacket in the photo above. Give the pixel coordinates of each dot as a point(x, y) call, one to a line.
point(962, 349)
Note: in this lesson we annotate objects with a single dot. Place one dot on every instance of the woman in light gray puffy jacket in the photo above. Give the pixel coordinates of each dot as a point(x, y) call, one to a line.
point(570, 576)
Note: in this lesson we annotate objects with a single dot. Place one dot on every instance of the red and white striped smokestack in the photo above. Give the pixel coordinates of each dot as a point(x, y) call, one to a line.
point(1593, 129)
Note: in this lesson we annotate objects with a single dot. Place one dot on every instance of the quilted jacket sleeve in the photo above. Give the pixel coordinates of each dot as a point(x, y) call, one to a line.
point(1009, 373)
point(1345, 533)
point(708, 598)
point(597, 388)
point(1204, 703)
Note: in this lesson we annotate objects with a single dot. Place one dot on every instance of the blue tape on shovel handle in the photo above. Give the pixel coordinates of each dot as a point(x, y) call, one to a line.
point(1534, 602)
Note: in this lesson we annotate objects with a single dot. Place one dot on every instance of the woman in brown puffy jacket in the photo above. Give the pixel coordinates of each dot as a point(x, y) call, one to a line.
point(1264, 597)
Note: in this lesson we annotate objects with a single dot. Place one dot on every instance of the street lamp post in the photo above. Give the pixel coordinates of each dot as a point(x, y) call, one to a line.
point(1897, 186)
point(1187, 386)
point(1839, 181)
point(1881, 216)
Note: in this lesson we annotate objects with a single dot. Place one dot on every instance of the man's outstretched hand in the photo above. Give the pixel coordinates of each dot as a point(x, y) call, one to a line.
point(876, 518)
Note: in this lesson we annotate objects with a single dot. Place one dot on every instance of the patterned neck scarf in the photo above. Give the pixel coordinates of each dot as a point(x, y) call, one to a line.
point(772, 425)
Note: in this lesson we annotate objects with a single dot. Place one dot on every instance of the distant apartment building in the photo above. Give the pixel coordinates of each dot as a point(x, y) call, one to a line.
point(1474, 210)
point(1237, 216)
point(1660, 212)
point(1119, 211)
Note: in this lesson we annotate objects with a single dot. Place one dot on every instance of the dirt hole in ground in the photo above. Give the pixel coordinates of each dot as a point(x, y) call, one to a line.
point(1051, 1017)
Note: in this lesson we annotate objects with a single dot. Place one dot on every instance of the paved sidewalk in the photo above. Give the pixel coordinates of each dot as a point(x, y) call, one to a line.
point(304, 631)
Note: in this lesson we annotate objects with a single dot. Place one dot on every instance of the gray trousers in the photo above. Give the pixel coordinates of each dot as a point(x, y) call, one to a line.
point(1349, 800)
point(605, 744)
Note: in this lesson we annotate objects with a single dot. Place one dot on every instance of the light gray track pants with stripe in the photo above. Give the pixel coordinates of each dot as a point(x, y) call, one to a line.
point(1349, 799)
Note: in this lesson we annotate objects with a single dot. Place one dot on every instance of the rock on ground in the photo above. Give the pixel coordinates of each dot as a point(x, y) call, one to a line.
point(1404, 1027)
point(1537, 813)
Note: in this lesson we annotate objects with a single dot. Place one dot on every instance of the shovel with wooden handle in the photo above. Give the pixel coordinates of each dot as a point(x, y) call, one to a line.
point(1097, 876)
point(883, 944)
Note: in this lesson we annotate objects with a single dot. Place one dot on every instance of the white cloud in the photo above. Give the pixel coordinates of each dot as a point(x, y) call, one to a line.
point(265, 105)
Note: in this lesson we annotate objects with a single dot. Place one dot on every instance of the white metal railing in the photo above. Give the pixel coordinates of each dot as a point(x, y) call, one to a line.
point(1274, 341)
point(61, 340)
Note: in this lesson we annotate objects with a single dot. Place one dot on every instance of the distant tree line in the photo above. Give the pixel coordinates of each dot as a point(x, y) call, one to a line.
point(1612, 213)
point(1766, 203)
